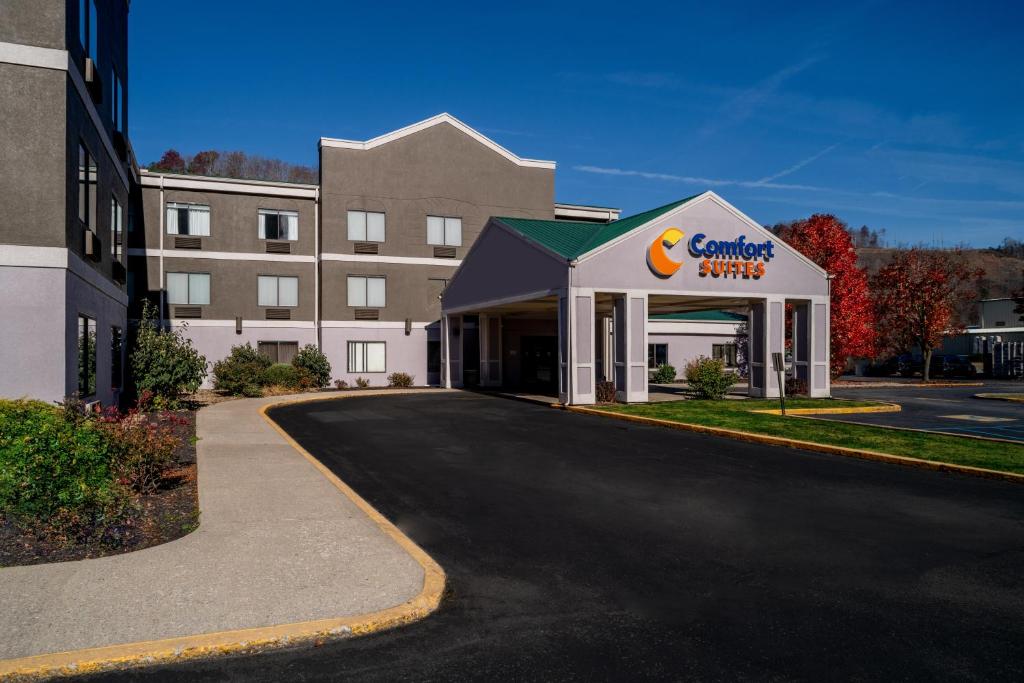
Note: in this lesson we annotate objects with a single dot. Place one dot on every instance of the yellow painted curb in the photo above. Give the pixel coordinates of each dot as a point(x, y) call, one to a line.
point(902, 385)
point(1015, 398)
point(807, 445)
point(884, 408)
point(89, 660)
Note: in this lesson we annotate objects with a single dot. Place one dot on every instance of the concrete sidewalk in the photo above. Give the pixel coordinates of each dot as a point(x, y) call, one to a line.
point(278, 543)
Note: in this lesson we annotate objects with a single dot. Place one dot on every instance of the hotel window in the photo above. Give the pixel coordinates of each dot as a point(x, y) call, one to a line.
point(725, 352)
point(366, 292)
point(278, 351)
point(188, 288)
point(366, 226)
point(87, 25)
point(278, 291)
point(86, 187)
point(188, 219)
point(279, 225)
point(86, 356)
point(366, 356)
point(116, 347)
point(444, 231)
point(657, 355)
point(116, 100)
point(116, 229)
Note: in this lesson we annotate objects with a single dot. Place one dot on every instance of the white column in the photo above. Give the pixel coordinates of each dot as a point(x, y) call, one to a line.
point(581, 336)
point(446, 376)
point(629, 321)
point(820, 384)
point(767, 336)
point(564, 346)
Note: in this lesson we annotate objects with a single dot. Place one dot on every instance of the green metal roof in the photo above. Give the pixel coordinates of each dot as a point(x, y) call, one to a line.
point(702, 316)
point(572, 239)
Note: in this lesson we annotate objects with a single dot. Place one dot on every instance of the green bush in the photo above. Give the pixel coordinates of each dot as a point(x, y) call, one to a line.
point(665, 374)
point(400, 379)
point(140, 450)
point(281, 374)
point(707, 377)
point(164, 362)
point(55, 467)
point(362, 383)
point(242, 373)
point(312, 360)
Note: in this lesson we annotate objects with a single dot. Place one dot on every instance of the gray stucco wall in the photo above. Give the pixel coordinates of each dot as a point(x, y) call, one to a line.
point(32, 147)
point(35, 22)
point(625, 264)
point(404, 353)
point(411, 290)
point(215, 342)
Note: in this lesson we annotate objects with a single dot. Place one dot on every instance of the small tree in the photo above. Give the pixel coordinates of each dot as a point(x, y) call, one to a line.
point(243, 372)
point(170, 162)
point(917, 295)
point(825, 239)
point(165, 362)
point(312, 360)
point(708, 378)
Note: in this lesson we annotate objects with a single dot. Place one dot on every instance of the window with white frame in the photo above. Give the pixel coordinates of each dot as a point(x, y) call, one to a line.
point(188, 288)
point(188, 219)
point(367, 356)
point(276, 290)
point(444, 231)
point(366, 291)
point(366, 226)
point(279, 225)
point(116, 229)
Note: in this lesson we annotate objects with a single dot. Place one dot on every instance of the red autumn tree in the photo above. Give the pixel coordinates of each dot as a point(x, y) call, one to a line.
point(824, 239)
point(917, 295)
point(203, 162)
point(170, 162)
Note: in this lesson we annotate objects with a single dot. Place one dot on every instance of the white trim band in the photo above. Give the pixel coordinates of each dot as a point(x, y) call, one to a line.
point(173, 181)
point(221, 255)
point(246, 324)
point(399, 260)
point(373, 324)
point(429, 123)
point(32, 55)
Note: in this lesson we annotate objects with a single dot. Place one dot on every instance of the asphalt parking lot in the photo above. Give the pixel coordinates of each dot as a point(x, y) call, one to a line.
point(580, 548)
point(952, 410)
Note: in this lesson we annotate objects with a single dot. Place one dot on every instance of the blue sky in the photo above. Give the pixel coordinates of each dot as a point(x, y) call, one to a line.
point(907, 117)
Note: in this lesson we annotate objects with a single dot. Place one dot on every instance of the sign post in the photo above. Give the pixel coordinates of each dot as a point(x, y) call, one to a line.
point(780, 370)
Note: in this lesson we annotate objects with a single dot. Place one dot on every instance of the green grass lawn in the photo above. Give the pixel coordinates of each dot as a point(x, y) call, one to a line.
point(738, 415)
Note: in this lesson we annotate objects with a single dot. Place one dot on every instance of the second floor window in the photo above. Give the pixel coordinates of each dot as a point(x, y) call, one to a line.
point(279, 225)
point(116, 229)
point(188, 288)
point(366, 226)
point(277, 290)
point(86, 187)
point(188, 219)
point(443, 231)
point(366, 292)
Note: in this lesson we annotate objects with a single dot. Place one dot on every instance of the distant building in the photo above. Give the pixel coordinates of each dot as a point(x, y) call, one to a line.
point(997, 323)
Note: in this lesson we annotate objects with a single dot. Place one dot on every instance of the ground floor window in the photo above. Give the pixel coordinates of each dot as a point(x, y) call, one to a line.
point(278, 351)
point(657, 355)
point(725, 352)
point(116, 350)
point(86, 356)
point(366, 356)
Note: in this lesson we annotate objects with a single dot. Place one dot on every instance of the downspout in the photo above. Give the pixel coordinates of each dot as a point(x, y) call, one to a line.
point(161, 243)
point(316, 269)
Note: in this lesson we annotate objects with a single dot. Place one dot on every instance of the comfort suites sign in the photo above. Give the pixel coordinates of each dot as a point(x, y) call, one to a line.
point(737, 258)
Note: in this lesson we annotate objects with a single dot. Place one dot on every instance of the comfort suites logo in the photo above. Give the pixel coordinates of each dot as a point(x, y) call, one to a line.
point(718, 258)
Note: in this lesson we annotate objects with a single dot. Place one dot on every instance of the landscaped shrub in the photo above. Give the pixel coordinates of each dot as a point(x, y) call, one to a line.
point(606, 392)
point(362, 383)
point(400, 379)
point(340, 384)
point(141, 447)
point(164, 362)
point(55, 468)
point(707, 377)
point(242, 372)
point(312, 360)
point(796, 387)
point(281, 374)
point(665, 374)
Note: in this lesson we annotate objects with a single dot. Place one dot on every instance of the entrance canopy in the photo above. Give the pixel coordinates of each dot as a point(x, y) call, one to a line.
point(591, 288)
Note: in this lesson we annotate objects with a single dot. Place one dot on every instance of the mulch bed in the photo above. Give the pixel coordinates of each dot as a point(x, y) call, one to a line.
point(169, 513)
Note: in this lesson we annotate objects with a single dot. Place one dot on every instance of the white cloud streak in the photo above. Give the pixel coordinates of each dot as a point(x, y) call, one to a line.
point(797, 166)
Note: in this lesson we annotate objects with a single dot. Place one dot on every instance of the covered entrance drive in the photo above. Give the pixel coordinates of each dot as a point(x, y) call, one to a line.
point(560, 306)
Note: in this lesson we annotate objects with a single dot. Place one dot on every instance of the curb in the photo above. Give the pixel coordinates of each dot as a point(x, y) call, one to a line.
point(1001, 397)
point(808, 445)
point(183, 648)
point(884, 408)
point(904, 385)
